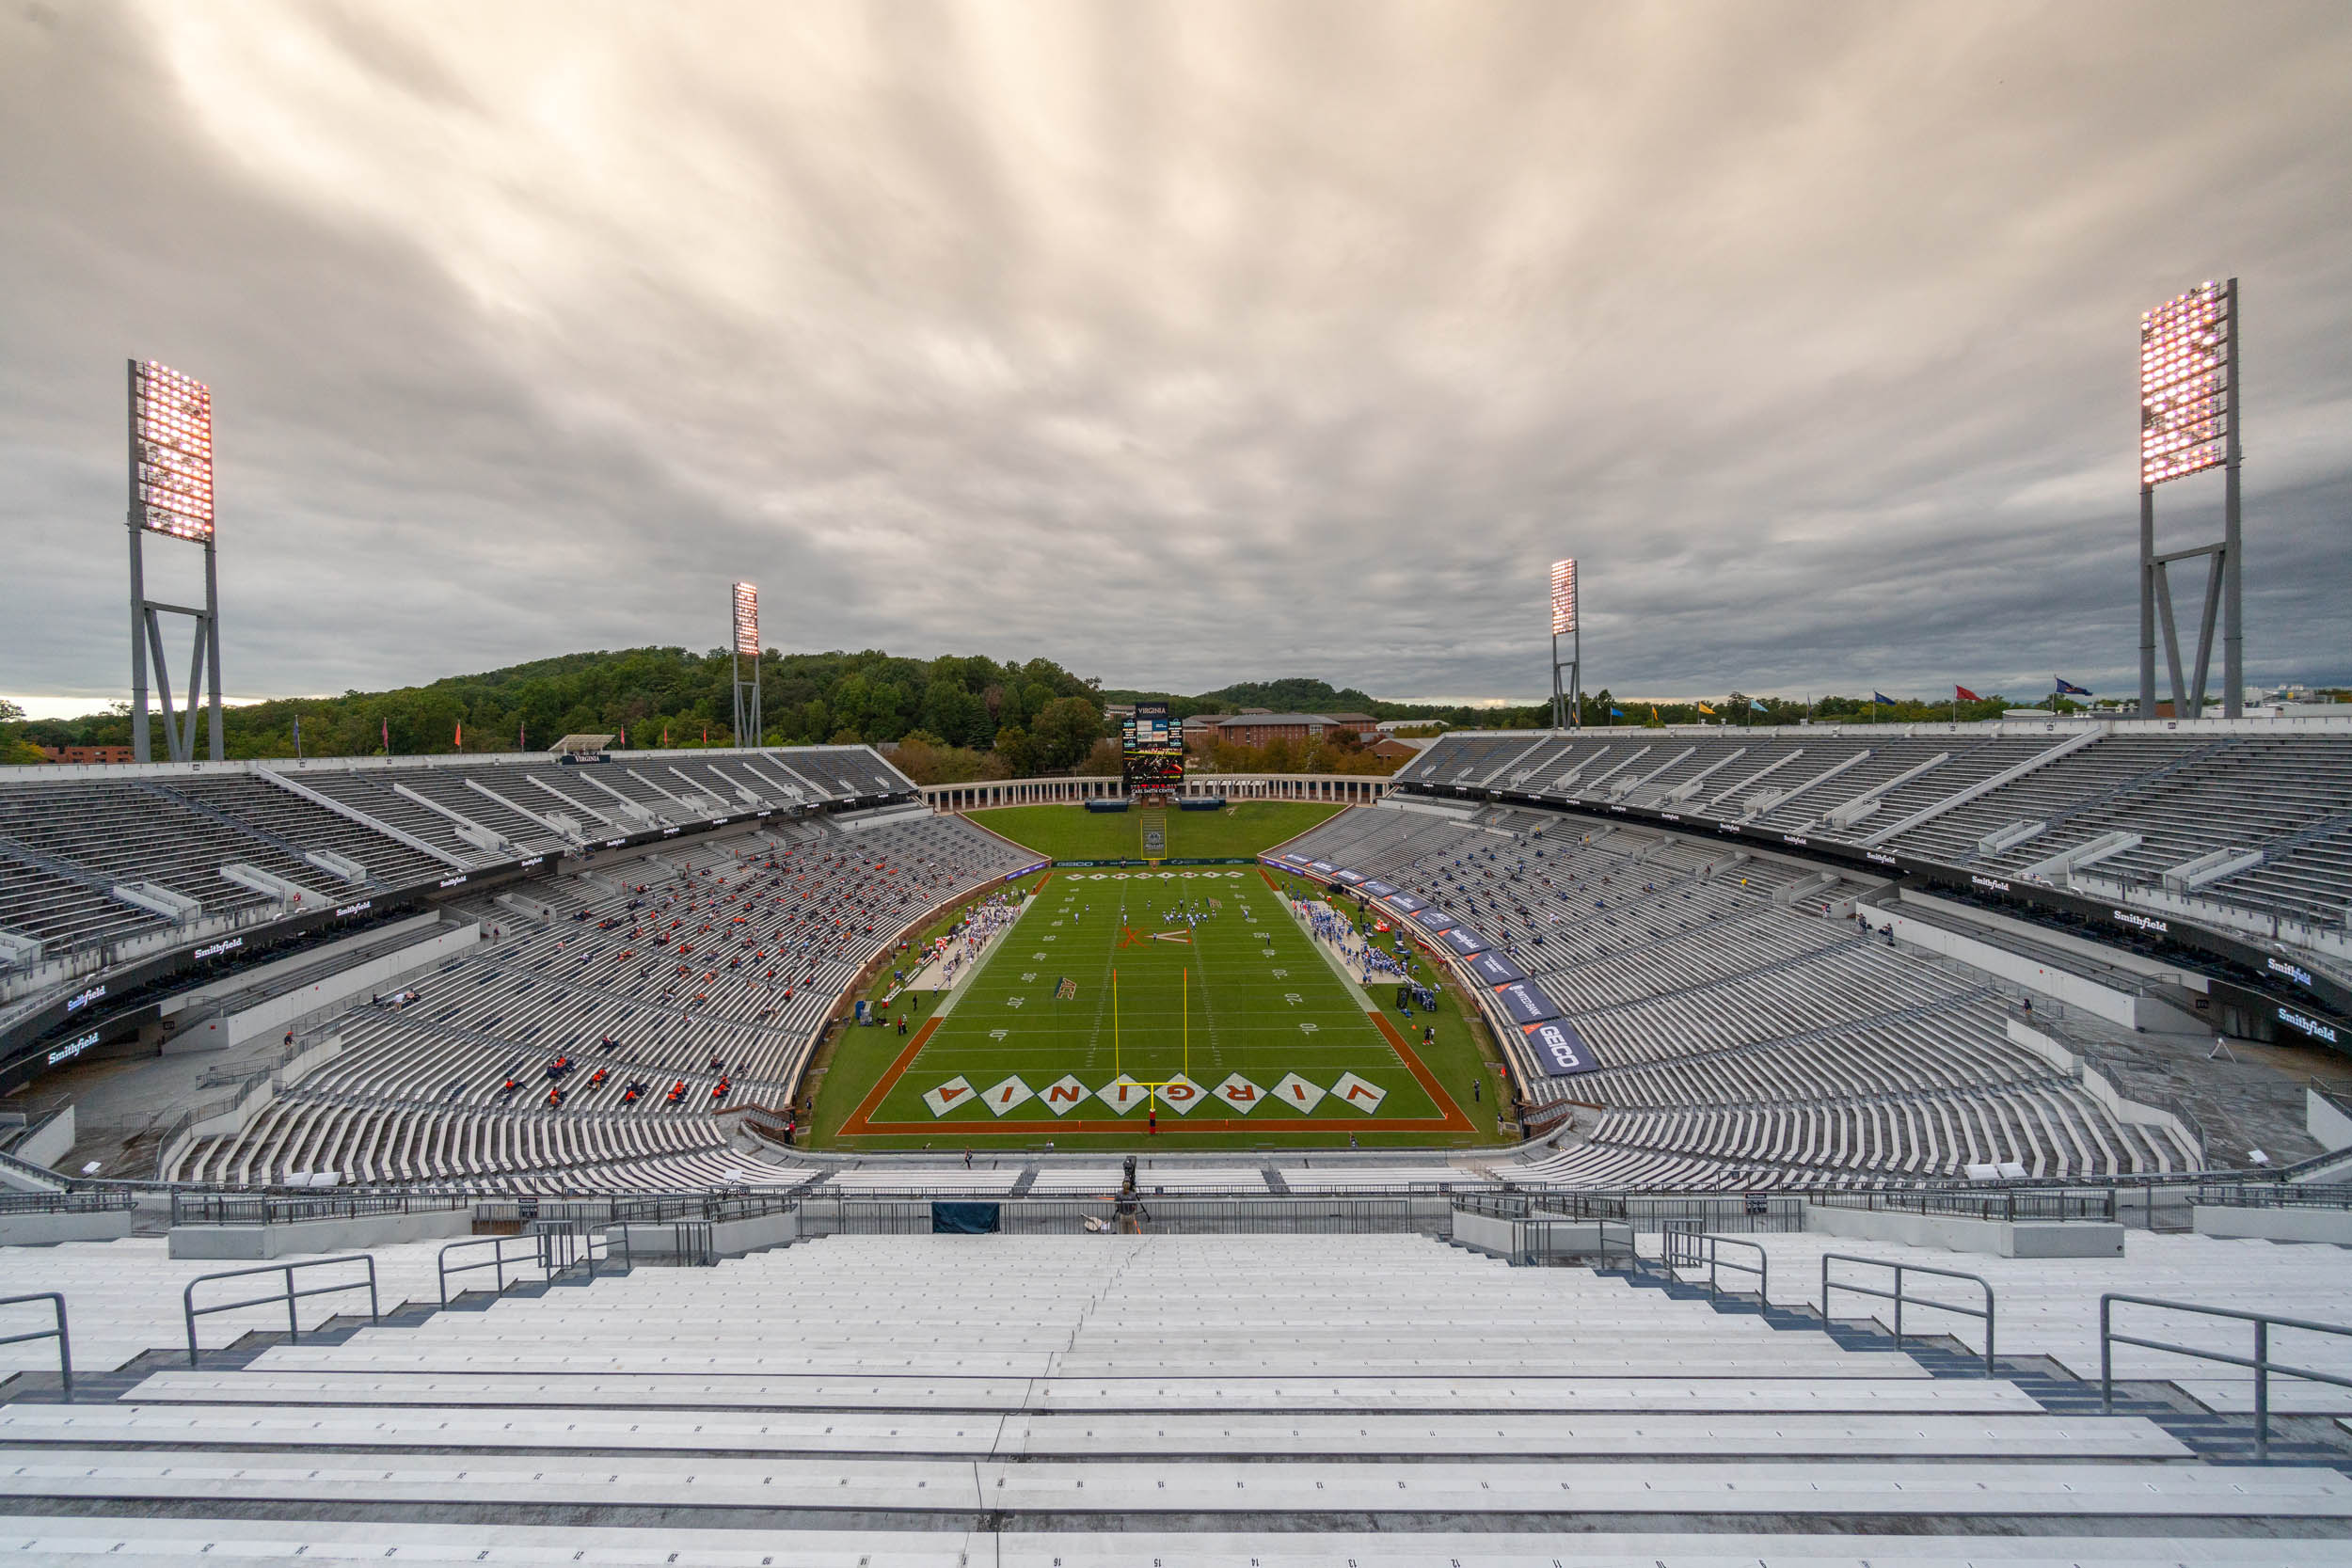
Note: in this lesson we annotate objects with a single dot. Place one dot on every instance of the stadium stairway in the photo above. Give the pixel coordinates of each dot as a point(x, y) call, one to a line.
point(1176, 1399)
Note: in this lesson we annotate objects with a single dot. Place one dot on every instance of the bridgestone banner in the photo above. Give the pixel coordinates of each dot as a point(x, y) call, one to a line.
point(1496, 968)
point(1525, 1001)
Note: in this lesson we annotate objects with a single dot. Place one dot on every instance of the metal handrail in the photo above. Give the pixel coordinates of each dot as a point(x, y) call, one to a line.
point(65, 1340)
point(543, 1254)
point(1899, 1298)
point(290, 1296)
point(1705, 1247)
point(2259, 1362)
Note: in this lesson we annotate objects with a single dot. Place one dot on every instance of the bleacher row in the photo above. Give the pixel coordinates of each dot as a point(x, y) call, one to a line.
point(333, 830)
point(1748, 1038)
point(1067, 1400)
point(711, 963)
point(1976, 797)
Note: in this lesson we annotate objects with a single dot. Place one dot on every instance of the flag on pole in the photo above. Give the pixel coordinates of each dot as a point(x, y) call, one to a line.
point(461, 736)
point(1882, 697)
point(297, 731)
point(1704, 708)
point(1757, 706)
point(1962, 694)
point(520, 743)
point(388, 736)
point(1616, 713)
point(2068, 689)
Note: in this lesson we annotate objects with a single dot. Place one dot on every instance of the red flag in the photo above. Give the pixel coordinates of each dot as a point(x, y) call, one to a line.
point(1967, 695)
point(665, 734)
point(388, 736)
point(461, 736)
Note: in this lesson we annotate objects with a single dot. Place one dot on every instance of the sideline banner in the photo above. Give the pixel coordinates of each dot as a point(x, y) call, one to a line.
point(1525, 1001)
point(1464, 941)
point(1558, 1049)
point(1495, 968)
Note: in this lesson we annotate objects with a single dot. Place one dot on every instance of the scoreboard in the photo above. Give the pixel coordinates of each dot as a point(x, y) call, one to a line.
point(1152, 749)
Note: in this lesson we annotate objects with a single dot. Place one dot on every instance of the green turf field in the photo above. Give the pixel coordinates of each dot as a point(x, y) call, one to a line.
point(1073, 833)
point(1258, 1038)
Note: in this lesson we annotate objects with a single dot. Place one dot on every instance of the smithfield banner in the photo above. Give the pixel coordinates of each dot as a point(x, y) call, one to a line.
point(1525, 1001)
point(1496, 968)
point(1558, 1049)
point(1433, 921)
point(1380, 890)
point(1464, 941)
point(1405, 901)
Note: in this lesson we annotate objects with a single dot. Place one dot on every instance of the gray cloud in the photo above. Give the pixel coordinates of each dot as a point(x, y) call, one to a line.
point(1183, 343)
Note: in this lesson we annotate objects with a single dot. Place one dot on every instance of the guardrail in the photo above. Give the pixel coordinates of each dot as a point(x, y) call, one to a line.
point(1900, 1298)
point(2259, 1362)
point(2009, 1203)
point(1689, 1250)
point(552, 1249)
point(1180, 1214)
point(57, 1331)
point(86, 1201)
point(288, 1209)
point(291, 1296)
point(2274, 1195)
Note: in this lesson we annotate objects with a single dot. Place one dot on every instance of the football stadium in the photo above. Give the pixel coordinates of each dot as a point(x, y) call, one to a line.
point(1056, 1128)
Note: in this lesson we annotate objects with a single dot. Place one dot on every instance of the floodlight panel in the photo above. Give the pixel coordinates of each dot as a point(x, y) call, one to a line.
point(1563, 596)
point(171, 437)
point(747, 619)
point(2185, 361)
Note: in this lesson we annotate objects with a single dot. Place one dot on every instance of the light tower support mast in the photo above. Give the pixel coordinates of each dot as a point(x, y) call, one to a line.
point(1568, 698)
point(746, 645)
point(171, 494)
point(2188, 422)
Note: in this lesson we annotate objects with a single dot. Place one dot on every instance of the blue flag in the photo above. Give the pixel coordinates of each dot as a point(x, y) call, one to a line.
point(1616, 713)
point(2068, 689)
point(1759, 706)
point(1882, 697)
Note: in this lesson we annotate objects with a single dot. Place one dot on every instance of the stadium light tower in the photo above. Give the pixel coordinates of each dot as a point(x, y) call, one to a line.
point(2188, 422)
point(1567, 700)
point(746, 647)
point(171, 494)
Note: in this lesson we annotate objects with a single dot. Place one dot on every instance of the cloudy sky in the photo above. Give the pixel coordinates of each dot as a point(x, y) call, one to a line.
point(1182, 344)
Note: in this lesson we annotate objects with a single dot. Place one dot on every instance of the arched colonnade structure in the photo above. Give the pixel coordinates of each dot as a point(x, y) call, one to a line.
point(1342, 788)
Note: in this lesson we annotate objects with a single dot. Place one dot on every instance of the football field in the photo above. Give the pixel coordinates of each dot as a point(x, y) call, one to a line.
point(1190, 1001)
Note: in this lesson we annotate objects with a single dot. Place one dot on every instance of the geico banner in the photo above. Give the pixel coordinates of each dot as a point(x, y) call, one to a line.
point(1405, 902)
point(1464, 941)
point(1525, 1003)
point(1496, 968)
point(1558, 1049)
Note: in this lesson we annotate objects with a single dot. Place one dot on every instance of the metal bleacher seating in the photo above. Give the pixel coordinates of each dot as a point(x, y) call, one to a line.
point(1974, 796)
point(717, 961)
point(1747, 1039)
point(1039, 1400)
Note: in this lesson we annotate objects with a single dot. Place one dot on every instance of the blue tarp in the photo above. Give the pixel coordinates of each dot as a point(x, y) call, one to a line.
point(965, 1219)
